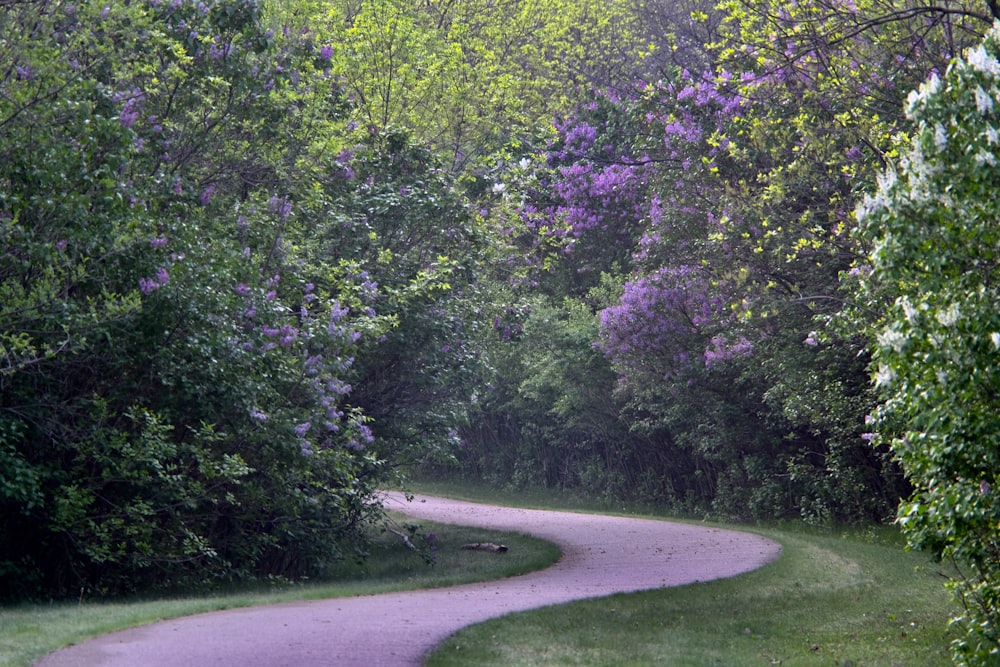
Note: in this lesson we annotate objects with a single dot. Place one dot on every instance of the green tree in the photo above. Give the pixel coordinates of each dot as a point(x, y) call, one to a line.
point(469, 78)
point(933, 228)
point(174, 375)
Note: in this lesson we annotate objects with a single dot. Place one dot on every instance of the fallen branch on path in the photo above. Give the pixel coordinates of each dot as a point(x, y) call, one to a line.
point(485, 546)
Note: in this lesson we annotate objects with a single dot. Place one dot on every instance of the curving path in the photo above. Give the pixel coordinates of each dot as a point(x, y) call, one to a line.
point(602, 555)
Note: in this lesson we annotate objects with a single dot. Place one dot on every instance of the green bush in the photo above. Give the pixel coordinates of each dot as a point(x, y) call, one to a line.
point(174, 368)
point(933, 225)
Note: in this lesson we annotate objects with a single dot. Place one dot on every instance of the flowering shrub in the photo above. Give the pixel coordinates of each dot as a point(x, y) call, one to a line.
point(175, 372)
point(932, 223)
point(661, 319)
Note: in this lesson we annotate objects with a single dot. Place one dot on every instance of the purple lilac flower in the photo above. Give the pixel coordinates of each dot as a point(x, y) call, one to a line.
point(206, 195)
point(217, 52)
point(337, 312)
point(147, 286)
point(128, 114)
point(279, 206)
point(288, 335)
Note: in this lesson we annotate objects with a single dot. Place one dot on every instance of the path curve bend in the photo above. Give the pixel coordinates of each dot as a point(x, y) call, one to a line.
point(602, 555)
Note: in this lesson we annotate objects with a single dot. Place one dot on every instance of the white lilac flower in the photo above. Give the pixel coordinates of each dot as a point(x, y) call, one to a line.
point(981, 61)
point(916, 98)
point(984, 101)
point(932, 86)
point(948, 316)
point(919, 173)
point(940, 137)
point(992, 136)
point(911, 103)
point(884, 376)
point(891, 338)
point(984, 157)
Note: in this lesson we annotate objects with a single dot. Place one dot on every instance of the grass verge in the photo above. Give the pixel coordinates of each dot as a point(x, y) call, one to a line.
point(834, 598)
point(28, 632)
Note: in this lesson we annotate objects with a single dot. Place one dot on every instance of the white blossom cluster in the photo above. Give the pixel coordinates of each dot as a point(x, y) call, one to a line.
point(976, 76)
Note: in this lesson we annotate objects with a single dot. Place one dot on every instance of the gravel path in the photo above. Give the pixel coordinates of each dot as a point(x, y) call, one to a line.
point(602, 555)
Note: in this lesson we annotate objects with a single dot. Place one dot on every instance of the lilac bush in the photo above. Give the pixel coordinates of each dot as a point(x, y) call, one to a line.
point(176, 371)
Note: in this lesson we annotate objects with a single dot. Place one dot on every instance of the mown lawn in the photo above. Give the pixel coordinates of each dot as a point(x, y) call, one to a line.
point(835, 598)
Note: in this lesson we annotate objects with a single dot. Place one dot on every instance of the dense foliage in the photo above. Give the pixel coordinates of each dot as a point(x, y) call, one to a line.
point(933, 228)
point(706, 221)
point(256, 258)
point(179, 333)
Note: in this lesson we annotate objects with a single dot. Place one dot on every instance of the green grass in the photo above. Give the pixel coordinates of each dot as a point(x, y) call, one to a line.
point(834, 598)
point(28, 632)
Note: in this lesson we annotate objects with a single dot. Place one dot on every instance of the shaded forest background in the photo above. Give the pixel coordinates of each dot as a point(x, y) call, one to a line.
point(258, 259)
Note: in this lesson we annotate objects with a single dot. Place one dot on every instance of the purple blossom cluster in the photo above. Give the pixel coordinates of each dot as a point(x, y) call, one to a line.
point(664, 316)
point(328, 358)
point(280, 207)
point(576, 141)
point(132, 107)
point(720, 349)
point(220, 51)
point(148, 285)
point(510, 323)
point(343, 165)
point(694, 109)
point(600, 194)
point(320, 337)
point(604, 198)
